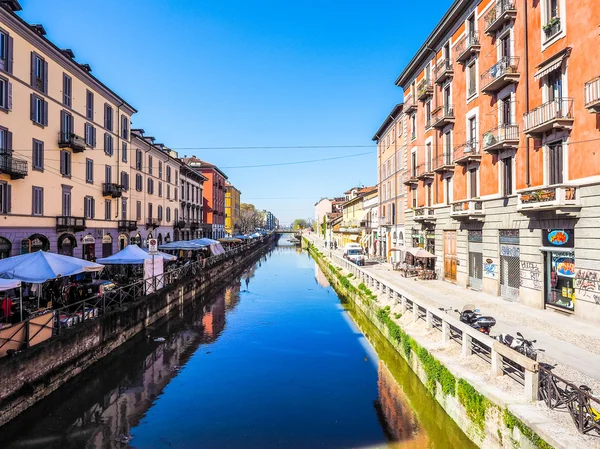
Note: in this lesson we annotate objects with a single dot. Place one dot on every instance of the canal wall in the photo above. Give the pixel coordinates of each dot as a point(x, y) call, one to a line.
point(34, 373)
point(482, 417)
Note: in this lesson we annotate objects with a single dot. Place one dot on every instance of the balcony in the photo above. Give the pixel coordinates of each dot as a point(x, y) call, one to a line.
point(424, 89)
point(16, 168)
point(179, 224)
point(68, 223)
point(442, 116)
point(498, 16)
point(501, 137)
point(194, 224)
point(410, 104)
point(469, 210)
point(443, 71)
point(152, 223)
point(466, 47)
point(562, 200)
point(412, 178)
point(385, 221)
point(443, 164)
point(552, 28)
point(425, 171)
point(424, 214)
point(500, 75)
point(466, 153)
point(127, 225)
point(553, 115)
point(111, 189)
point(592, 95)
point(73, 141)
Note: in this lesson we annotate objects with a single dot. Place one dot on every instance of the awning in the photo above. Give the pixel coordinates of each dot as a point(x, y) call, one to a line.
point(556, 249)
point(7, 284)
point(420, 253)
point(552, 63)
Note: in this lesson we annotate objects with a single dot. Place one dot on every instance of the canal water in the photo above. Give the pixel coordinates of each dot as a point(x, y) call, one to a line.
point(275, 359)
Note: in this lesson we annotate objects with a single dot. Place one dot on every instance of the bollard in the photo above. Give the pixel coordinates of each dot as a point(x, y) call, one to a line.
point(445, 332)
point(467, 350)
point(496, 363)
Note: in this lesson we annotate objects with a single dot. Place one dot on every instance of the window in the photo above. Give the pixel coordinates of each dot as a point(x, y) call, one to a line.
point(124, 127)
point(176, 215)
point(428, 157)
point(67, 90)
point(124, 151)
point(160, 213)
point(448, 148)
point(505, 48)
point(507, 177)
point(108, 174)
point(472, 133)
point(471, 79)
point(66, 201)
point(150, 165)
point(138, 182)
point(124, 208)
point(5, 197)
point(125, 180)
point(38, 201)
point(413, 126)
point(139, 160)
point(39, 110)
point(107, 210)
point(168, 214)
point(138, 210)
point(90, 135)
point(428, 114)
point(39, 73)
point(38, 155)
point(89, 207)
point(65, 163)
point(471, 24)
point(160, 169)
point(89, 170)
point(555, 159)
point(168, 174)
point(473, 183)
point(160, 189)
point(176, 176)
point(5, 94)
point(554, 86)
point(108, 144)
point(6, 50)
point(506, 106)
point(108, 117)
point(89, 105)
point(448, 190)
point(175, 191)
point(149, 212)
point(168, 191)
point(150, 186)
point(413, 166)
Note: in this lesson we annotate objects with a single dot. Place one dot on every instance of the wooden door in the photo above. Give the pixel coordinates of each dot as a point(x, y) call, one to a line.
point(450, 256)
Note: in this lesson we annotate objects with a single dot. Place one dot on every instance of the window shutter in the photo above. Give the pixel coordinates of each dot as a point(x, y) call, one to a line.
point(8, 198)
point(32, 101)
point(62, 123)
point(9, 58)
point(8, 148)
point(45, 118)
point(45, 77)
point(32, 70)
point(93, 208)
point(93, 136)
point(9, 96)
point(62, 162)
point(105, 115)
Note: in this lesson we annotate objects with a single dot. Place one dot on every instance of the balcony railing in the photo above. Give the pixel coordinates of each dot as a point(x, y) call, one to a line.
point(73, 141)
point(194, 224)
point(467, 152)
point(410, 104)
point(443, 71)
point(592, 95)
point(424, 89)
point(500, 75)
point(443, 163)
point(425, 170)
point(552, 28)
point(561, 199)
point(179, 224)
point(385, 221)
point(442, 116)
point(127, 225)
point(68, 223)
point(111, 189)
point(467, 47)
point(503, 136)
point(503, 12)
point(424, 214)
point(16, 168)
point(152, 223)
point(468, 209)
point(555, 114)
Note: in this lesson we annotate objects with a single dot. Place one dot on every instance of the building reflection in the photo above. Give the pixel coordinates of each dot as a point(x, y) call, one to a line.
point(320, 277)
point(398, 421)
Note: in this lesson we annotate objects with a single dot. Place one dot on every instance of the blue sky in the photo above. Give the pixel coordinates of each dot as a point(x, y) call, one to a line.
point(214, 74)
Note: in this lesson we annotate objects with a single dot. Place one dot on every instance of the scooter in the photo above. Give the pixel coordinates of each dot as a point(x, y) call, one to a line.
point(471, 316)
point(519, 344)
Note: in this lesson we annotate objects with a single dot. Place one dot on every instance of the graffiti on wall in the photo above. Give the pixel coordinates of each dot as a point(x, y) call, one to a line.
point(509, 251)
point(531, 275)
point(490, 268)
point(587, 282)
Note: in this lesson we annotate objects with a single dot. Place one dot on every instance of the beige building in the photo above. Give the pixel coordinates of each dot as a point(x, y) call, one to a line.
point(63, 139)
point(232, 209)
point(190, 224)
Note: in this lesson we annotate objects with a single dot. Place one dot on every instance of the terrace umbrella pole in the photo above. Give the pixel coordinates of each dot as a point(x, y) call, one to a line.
point(21, 300)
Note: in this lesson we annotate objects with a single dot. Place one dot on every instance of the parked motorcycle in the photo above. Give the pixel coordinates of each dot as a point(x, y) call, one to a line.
point(471, 316)
point(519, 344)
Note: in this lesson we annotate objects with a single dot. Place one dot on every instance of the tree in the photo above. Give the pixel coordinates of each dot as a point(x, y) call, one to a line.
point(250, 218)
point(300, 223)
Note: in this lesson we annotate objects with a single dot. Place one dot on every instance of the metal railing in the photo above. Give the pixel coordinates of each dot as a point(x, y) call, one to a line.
point(52, 322)
point(500, 134)
point(424, 88)
point(443, 160)
point(560, 108)
point(501, 359)
point(496, 14)
point(16, 168)
point(465, 44)
point(442, 70)
point(469, 148)
point(507, 65)
point(592, 92)
point(127, 225)
point(112, 189)
point(442, 114)
point(68, 139)
point(67, 222)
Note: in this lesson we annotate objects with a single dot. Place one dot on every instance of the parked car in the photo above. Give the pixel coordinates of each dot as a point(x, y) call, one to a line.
point(354, 253)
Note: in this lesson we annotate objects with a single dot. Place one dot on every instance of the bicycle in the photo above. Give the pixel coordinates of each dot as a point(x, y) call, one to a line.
point(584, 415)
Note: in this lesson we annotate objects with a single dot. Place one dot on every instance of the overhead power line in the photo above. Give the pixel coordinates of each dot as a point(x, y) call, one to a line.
point(298, 162)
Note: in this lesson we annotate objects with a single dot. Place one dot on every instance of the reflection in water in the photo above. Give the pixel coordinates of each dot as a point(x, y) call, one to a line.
point(320, 277)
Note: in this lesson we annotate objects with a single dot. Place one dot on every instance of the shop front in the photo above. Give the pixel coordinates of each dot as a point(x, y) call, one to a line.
point(475, 242)
point(107, 245)
point(66, 244)
point(123, 239)
point(510, 264)
point(5, 247)
point(88, 245)
point(36, 242)
point(559, 268)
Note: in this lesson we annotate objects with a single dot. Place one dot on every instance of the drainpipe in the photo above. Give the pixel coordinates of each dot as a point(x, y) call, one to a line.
point(525, 30)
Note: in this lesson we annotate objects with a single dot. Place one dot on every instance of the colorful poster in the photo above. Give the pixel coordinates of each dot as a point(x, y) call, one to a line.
point(564, 266)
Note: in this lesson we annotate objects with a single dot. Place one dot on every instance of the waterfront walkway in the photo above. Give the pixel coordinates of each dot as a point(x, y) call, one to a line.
point(570, 343)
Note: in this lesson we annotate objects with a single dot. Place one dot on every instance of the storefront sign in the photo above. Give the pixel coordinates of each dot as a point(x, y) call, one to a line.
point(107, 239)
point(475, 236)
point(563, 238)
point(88, 239)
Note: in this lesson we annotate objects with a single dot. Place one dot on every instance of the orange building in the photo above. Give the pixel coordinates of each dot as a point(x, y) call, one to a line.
point(501, 107)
